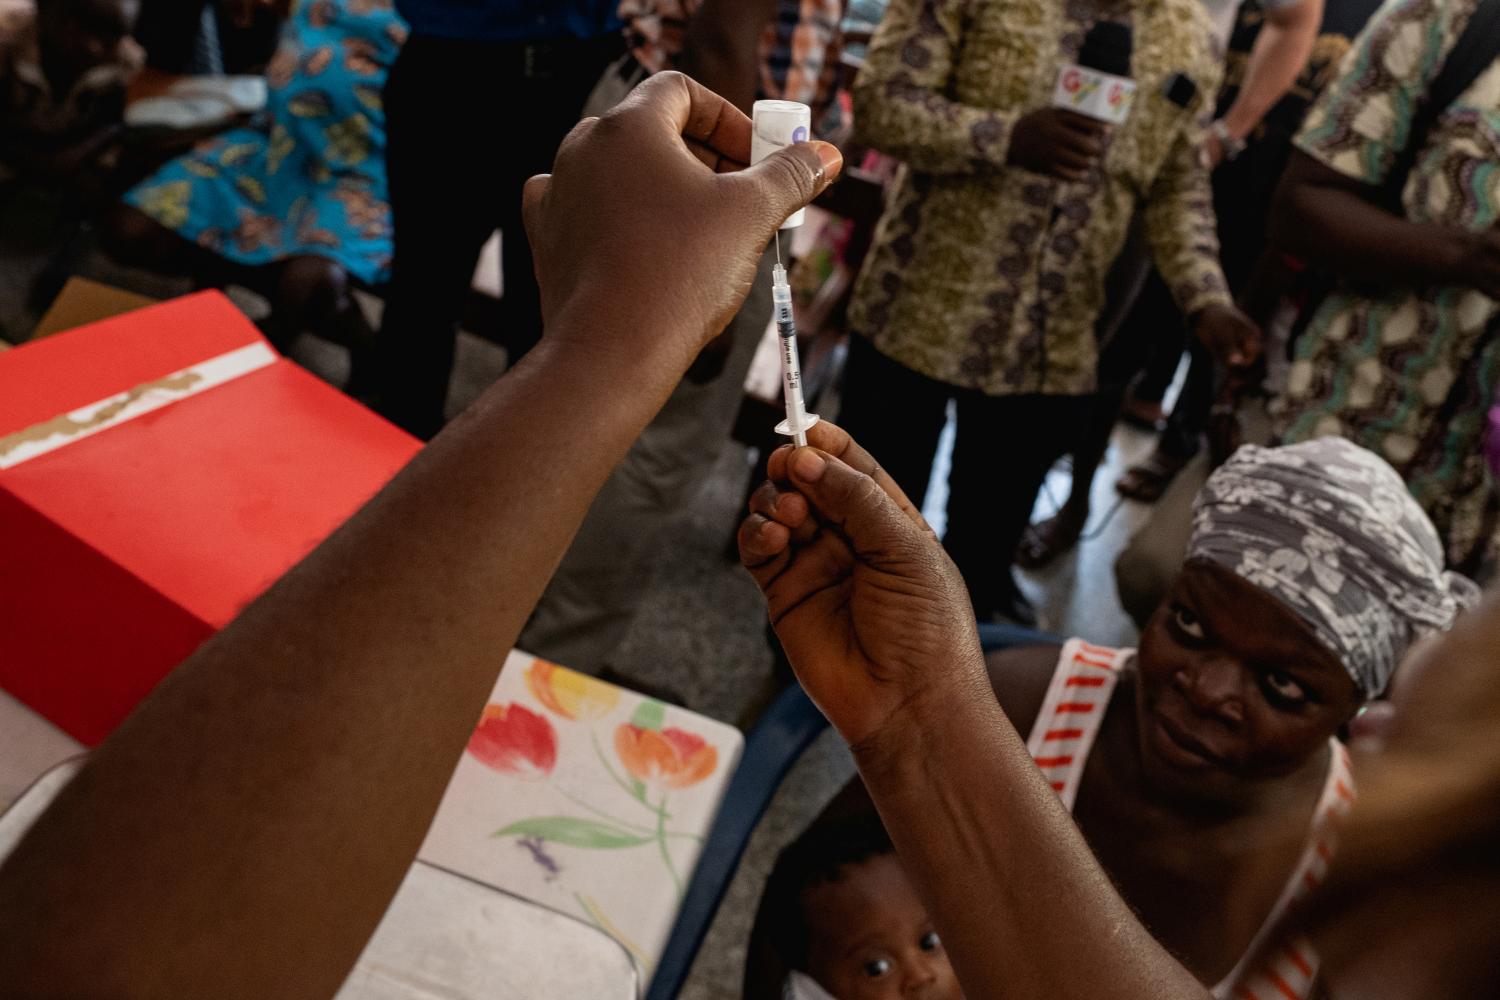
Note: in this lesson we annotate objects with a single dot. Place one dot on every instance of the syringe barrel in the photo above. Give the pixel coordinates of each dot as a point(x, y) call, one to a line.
point(791, 373)
point(783, 311)
point(781, 302)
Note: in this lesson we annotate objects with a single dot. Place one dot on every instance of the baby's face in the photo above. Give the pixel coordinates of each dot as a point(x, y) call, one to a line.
point(871, 939)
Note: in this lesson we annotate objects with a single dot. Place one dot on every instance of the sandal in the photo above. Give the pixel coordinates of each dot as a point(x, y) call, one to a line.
point(1143, 416)
point(1147, 481)
point(1044, 541)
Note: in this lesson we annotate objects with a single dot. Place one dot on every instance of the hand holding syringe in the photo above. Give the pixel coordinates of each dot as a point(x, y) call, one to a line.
point(778, 124)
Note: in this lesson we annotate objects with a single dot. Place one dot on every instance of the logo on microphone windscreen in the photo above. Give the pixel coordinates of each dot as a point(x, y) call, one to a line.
point(799, 134)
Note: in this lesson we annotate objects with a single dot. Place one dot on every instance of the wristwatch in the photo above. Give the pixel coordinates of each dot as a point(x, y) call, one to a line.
point(1231, 145)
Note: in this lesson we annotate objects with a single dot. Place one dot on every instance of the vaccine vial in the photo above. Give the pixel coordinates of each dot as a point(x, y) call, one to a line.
point(776, 124)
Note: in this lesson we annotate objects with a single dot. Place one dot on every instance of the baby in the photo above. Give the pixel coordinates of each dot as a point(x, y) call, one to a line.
point(847, 921)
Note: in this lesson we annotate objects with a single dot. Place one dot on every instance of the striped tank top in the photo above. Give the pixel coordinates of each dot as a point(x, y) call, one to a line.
point(1275, 966)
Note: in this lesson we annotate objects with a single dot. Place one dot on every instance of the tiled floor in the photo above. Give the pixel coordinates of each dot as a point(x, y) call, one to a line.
point(701, 630)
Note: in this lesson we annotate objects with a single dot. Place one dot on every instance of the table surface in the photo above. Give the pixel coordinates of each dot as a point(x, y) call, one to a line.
point(444, 937)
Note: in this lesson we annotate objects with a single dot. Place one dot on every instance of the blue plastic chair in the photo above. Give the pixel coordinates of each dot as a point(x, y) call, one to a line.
point(773, 746)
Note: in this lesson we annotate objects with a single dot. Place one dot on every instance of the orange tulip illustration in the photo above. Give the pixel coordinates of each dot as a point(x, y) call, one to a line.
point(515, 740)
point(671, 757)
point(571, 695)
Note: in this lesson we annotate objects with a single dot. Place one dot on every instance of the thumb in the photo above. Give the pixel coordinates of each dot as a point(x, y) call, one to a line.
point(531, 203)
point(876, 527)
point(791, 177)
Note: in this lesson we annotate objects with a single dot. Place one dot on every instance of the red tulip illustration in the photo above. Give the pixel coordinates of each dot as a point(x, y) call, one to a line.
point(515, 740)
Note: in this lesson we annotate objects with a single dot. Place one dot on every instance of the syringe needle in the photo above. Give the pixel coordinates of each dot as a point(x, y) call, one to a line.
point(778, 246)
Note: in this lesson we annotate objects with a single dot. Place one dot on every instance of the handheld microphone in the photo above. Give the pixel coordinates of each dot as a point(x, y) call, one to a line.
point(1098, 84)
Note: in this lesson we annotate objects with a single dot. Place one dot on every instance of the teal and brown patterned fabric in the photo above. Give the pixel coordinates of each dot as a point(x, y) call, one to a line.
point(990, 277)
point(1408, 372)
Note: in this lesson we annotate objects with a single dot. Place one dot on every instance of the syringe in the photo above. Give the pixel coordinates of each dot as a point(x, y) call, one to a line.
point(798, 421)
point(777, 124)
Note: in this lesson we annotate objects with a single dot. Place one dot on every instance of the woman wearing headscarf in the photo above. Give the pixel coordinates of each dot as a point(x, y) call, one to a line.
point(1310, 572)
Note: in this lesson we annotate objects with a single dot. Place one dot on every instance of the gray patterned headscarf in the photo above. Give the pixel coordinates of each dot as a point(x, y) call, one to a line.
point(1329, 529)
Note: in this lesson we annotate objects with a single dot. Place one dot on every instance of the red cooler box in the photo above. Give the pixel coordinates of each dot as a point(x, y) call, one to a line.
point(158, 471)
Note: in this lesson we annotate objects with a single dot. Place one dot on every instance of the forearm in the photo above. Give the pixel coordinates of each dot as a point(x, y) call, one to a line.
point(320, 727)
point(722, 48)
point(927, 131)
point(904, 111)
point(1007, 876)
point(1182, 232)
point(1280, 54)
point(1321, 220)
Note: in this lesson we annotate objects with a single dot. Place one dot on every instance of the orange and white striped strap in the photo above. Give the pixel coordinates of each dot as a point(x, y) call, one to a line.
point(1064, 731)
point(1276, 966)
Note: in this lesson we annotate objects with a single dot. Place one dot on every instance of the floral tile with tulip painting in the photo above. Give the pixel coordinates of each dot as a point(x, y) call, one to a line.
point(587, 798)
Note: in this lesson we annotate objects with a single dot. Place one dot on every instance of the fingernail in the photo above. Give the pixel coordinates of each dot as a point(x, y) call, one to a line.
point(808, 465)
point(831, 159)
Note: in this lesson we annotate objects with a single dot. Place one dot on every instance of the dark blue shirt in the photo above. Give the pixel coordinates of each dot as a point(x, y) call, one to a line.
point(510, 20)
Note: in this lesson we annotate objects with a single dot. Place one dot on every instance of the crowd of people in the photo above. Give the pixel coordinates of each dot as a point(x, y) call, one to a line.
point(1287, 790)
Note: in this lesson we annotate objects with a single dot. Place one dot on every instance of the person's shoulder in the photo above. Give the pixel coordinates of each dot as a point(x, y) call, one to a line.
point(1020, 677)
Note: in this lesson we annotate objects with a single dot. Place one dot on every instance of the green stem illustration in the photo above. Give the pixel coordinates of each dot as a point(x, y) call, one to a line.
point(627, 824)
point(624, 823)
point(636, 793)
point(661, 842)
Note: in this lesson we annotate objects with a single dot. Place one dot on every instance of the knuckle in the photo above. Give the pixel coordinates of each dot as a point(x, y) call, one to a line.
point(788, 171)
point(862, 492)
point(764, 498)
point(749, 534)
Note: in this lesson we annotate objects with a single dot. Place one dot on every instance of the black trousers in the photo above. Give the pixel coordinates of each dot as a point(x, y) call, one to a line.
point(1155, 315)
point(467, 123)
point(1004, 447)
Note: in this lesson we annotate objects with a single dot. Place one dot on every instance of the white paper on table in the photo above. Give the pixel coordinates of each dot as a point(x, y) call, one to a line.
point(587, 798)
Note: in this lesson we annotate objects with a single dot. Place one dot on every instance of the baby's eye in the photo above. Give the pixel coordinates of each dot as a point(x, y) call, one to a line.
point(930, 941)
point(877, 967)
point(1284, 687)
point(1187, 623)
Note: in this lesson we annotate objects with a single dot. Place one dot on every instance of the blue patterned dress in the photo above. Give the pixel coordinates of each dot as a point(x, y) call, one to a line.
point(309, 178)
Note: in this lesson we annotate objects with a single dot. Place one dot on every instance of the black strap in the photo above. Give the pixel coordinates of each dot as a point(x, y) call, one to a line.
point(1476, 49)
